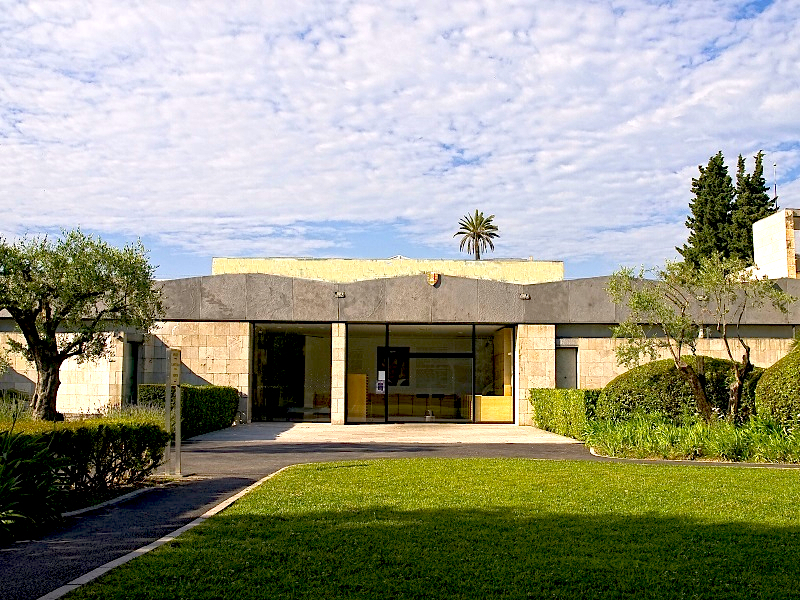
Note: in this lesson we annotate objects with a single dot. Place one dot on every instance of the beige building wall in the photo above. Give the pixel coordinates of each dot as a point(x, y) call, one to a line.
point(344, 270)
point(775, 245)
point(597, 362)
point(536, 365)
point(216, 353)
point(86, 388)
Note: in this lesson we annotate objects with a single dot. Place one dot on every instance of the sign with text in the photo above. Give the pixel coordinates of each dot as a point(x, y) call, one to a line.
point(174, 366)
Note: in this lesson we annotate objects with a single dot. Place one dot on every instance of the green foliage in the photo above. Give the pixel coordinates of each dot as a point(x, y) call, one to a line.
point(48, 467)
point(68, 296)
point(660, 315)
point(659, 388)
point(477, 232)
point(653, 436)
point(204, 408)
point(15, 404)
point(778, 391)
point(722, 215)
point(563, 411)
point(710, 208)
point(29, 485)
point(97, 455)
point(669, 312)
point(752, 203)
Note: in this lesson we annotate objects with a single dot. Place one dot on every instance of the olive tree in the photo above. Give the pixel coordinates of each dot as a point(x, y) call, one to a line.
point(68, 296)
point(670, 311)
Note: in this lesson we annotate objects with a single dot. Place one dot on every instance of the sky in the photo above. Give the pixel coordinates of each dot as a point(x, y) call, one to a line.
point(368, 129)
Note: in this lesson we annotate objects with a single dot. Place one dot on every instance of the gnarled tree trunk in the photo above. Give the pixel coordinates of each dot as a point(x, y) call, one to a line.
point(47, 383)
point(696, 383)
point(736, 387)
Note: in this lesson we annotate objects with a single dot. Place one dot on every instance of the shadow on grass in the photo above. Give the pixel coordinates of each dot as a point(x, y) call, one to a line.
point(384, 553)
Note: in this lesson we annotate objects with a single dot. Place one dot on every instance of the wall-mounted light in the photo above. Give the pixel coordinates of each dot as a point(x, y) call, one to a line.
point(338, 294)
point(524, 296)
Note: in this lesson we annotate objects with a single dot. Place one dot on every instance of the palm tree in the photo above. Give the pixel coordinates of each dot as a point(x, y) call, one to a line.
point(477, 232)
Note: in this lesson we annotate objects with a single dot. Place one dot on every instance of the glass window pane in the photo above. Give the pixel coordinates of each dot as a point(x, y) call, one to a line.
point(365, 392)
point(292, 372)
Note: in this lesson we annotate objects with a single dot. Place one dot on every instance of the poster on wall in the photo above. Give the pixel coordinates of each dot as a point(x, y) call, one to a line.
point(395, 363)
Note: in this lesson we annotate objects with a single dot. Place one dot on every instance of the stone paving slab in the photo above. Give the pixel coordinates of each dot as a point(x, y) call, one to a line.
point(405, 433)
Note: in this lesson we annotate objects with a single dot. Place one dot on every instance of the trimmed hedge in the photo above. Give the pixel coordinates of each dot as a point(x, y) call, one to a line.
point(46, 467)
point(204, 408)
point(563, 411)
point(96, 456)
point(29, 485)
point(658, 387)
point(778, 390)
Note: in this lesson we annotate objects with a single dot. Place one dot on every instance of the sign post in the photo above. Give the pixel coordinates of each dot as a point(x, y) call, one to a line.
point(168, 424)
point(175, 379)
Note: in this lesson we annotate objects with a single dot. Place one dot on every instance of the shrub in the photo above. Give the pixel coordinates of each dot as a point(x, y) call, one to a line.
point(204, 408)
point(778, 390)
point(563, 411)
point(97, 455)
point(654, 436)
point(658, 387)
point(29, 485)
point(15, 405)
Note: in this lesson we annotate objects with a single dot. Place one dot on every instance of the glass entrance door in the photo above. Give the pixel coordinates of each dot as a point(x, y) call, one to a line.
point(365, 388)
point(429, 373)
point(429, 376)
point(292, 372)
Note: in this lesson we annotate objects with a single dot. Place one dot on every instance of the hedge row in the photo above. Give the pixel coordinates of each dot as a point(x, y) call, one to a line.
point(658, 387)
point(204, 408)
point(778, 390)
point(41, 471)
point(97, 456)
point(563, 411)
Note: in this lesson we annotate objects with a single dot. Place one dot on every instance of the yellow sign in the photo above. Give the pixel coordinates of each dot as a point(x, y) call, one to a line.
point(174, 366)
point(433, 278)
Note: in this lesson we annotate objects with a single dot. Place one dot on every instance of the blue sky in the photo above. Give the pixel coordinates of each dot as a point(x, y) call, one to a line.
point(367, 129)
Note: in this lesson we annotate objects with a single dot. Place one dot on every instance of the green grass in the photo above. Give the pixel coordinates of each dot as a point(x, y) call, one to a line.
point(482, 528)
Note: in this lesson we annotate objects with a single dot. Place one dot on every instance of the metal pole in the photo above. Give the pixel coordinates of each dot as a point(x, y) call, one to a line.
point(178, 393)
point(168, 426)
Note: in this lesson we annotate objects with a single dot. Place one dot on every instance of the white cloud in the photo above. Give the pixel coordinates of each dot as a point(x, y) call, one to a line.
point(288, 128)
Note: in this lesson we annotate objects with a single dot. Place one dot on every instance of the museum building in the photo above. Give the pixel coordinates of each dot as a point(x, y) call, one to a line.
point(391, 341)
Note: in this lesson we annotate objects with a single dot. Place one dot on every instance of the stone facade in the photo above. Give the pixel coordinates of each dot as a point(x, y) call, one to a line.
point(536, 365)
point(338, 371)
point(597, 362)
point(215, 353)
point(86, 388)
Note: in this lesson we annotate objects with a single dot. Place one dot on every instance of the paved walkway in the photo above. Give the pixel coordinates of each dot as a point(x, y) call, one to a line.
point(219, 464)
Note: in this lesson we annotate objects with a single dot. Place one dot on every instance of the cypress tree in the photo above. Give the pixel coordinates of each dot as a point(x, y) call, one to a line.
point(709, 221)
point(752, 203)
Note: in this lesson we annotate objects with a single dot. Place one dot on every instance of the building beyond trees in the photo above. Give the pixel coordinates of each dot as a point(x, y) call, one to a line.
point(395, 340)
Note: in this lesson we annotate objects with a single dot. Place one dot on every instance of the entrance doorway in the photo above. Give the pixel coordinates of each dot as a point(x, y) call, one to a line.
point(292, 372)
point(399, 373)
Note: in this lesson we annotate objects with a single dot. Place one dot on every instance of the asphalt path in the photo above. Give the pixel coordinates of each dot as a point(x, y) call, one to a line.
point(218, 465)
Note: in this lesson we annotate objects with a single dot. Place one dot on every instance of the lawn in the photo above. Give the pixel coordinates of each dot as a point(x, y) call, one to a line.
point(487, 528)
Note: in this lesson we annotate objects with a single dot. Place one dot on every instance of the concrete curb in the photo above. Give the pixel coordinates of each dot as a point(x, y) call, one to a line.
point(103, 569)
point(124, 497)
point(695, 463)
